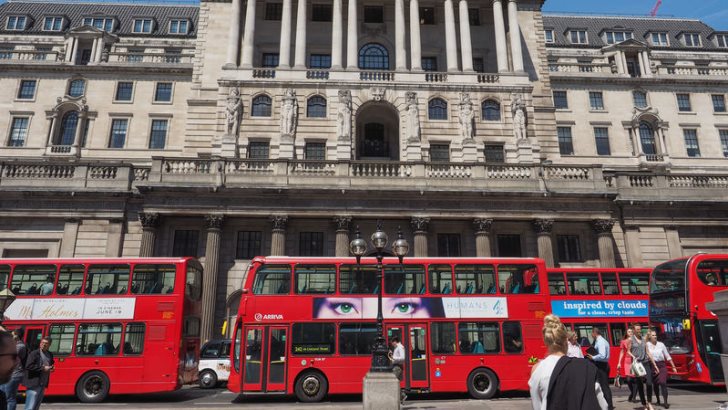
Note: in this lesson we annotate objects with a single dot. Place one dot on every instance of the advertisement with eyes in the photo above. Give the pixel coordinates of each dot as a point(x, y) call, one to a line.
point(409, 308)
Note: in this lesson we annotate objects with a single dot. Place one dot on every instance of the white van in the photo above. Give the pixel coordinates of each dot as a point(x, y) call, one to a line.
point(214, 363)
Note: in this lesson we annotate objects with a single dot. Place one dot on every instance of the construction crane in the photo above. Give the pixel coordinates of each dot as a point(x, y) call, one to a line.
point(653, 12)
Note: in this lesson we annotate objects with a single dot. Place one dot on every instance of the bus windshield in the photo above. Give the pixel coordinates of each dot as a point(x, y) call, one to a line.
point(671, 332)
point(668, 277)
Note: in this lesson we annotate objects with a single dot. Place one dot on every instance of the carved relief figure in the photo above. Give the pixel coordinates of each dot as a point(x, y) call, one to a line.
point(467, 115)
point(518, 109)
point(343, 118)
point(289, 113)
point(413, 118)
point(233, 111)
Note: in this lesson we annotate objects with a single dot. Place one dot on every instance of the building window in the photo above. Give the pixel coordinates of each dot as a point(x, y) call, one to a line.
point(76, 88)
point(16, 23)
point(259, 150)
point(691, 142)
point(26, 90)
point(6, 52)
point(311, 244)
point(578, 37)
point(270, 60)
point(158, 134)
point(614, 37)
point(373, 14)
point(724, 141)
point(722, 40)
point(67, 132)
point(315, 151)
point(596, 100)
point(321, 12)
point(250, 244)
point(319, 61)
point(261, 106)
point(659, 39)
point(569, 249)
point(163, 92)
point(691, 39)
point(437, 109)
point(52, 24)
point(118, 132)
point(429, 63)
point(549, 34)
point(640, 99)
point(106, 24)
point(142, 26)
point(509, 245)
point(491, 110)
point(178, 26)
point(373, 56)
point(601, 136)
point(448, 244)
point(718, 102)
point(185, 243)
point(478, 64)
point(316, 107)
point(440, 152)
point(566, 145)
point(135, 55)
point(172, 55)
point(561, 100)
point(427, 15)
point(474, 17)
point(18, 131)
point(273, 11)
point(124, 91)
point(647, 139)
point(683, 103)
point(494, 154)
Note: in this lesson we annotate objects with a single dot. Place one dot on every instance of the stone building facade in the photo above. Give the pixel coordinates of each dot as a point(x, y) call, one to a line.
point(238, 128)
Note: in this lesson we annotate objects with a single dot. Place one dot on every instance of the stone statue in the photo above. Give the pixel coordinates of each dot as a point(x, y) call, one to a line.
point(289, 113)
point(343, 118)
point(413, 117)
point(518, 109)
point(233, 111)
point(467, 115)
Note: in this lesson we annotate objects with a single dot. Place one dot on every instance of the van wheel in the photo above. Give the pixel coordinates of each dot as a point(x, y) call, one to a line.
point(93, 387)
point(311, 387)
point(482, 384)
point(208, 379)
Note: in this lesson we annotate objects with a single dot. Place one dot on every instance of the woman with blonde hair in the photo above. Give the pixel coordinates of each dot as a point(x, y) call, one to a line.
point(561, 382)
point(574, 348)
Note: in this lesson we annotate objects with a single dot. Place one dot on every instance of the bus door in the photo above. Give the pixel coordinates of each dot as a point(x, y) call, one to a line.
point(264, 360)
point(276, 363)
point(33, 334)
point(710, 335)
point(414, 338)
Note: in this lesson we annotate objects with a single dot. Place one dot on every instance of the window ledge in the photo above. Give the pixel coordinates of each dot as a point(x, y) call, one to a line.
point(721, 113)
point(599, 111)
point(687, 113)
point(563, 110)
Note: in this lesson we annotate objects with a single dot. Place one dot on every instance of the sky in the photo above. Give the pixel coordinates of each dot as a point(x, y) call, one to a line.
point(712, 12)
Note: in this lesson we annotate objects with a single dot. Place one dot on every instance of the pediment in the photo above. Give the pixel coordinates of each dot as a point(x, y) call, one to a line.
point(91, 32)
point(629, 44)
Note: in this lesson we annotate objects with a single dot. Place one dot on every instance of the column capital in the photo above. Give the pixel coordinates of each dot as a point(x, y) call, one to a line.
point(482, 225)
point(543, 226)
point(279, 222)
point(214, 221)
point(149, 219)
point(343, 223)
point(603, 226)
point(420, 224)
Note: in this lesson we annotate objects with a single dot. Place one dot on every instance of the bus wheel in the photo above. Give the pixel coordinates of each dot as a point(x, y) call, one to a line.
point(93, 387)
point(482, 384)
point(311, 387)
point(208, 379)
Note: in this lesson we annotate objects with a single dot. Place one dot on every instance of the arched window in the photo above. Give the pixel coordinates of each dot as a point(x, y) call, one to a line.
point(316, 107)
point(639, 98)
point(647, 139)
point(491, 110)
point(77, 88)
point(373, 56)
point(437, 109)
point(261, 106)
point(67, 132)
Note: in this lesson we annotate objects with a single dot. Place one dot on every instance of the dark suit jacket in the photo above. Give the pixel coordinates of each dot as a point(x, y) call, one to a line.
point(34, 376)
point(572, 385)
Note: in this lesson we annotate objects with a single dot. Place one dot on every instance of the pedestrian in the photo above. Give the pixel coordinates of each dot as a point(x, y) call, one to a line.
point(574, 348)
point(559, 382)
point(397, 359)
point(624, 364)
point(11, 387)
point(601, 361)
point(640, 354)
point(660, 355)
point(38, 369)
point(8, 358)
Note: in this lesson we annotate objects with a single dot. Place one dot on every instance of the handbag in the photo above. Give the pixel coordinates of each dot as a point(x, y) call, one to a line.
point(638, 369)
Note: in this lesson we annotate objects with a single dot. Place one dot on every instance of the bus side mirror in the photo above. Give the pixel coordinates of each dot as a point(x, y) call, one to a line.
point(245, 290)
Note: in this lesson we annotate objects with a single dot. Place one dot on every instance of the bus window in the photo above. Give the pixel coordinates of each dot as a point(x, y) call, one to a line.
point(584, 284)
point(609, 283)
point(358, 279)
point(107, 279)
point(584, 333)
point(61, 339)
point(634, 284)
point(479, 337)
point(193, 284)
point(619, 330)
point(4, 276)
point(134, 339)
point(238, 343)
point(98, 339)
point(557, 284)
point(272, 280)
point(315, 279)
point(516, 279)
point(313, 339)
point(70, 280)
point(442, 338)
point(357, 339)
point(440, 279)
point(33, 280)
point(713, 272)
point(475, 279)
point(407, 279)
point(153, 279)
point(512, 338)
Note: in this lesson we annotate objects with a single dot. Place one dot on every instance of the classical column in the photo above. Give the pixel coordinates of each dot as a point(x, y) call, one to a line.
point(643, 67)
point(249, 35)
point(278, 237)
point(337, 36)
point(234, 35)
point(482, 236)
point(300, 59)
point(74, 51)
point(516, 52)
point(343, 226)
point(352, 38)
point(648, 66)
point(450, 39)
point(543, 228)
point(150, 222)
point(415, 41)
point(605, 242)
point(94, 46)
point(399, 30)
point(674, 247)
point(499, 26)
point(115, 238)
point(419, 227)
point(70, 236)
point(633, 246)
point(209, 281)
point(466, 47)
point(284, 53)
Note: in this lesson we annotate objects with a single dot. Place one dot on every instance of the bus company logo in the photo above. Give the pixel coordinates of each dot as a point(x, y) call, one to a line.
point(260, 317)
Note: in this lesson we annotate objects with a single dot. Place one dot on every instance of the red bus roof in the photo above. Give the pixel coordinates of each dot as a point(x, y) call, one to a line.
point(97, 260)
point(391, 259)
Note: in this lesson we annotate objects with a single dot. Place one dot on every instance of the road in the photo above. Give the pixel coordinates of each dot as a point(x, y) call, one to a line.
point(682, 396)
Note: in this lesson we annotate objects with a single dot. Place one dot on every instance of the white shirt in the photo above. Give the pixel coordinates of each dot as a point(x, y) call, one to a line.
point(540, 379)
point(659, 352)
point(575, 351)
point(398, 354)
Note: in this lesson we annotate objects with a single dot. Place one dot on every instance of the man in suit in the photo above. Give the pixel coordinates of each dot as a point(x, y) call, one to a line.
point(38, 369)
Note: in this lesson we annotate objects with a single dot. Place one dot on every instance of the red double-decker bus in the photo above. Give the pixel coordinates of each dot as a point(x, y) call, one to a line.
point(678, 293)
point(306, 325)
point(117, 326)
point(609, 299)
